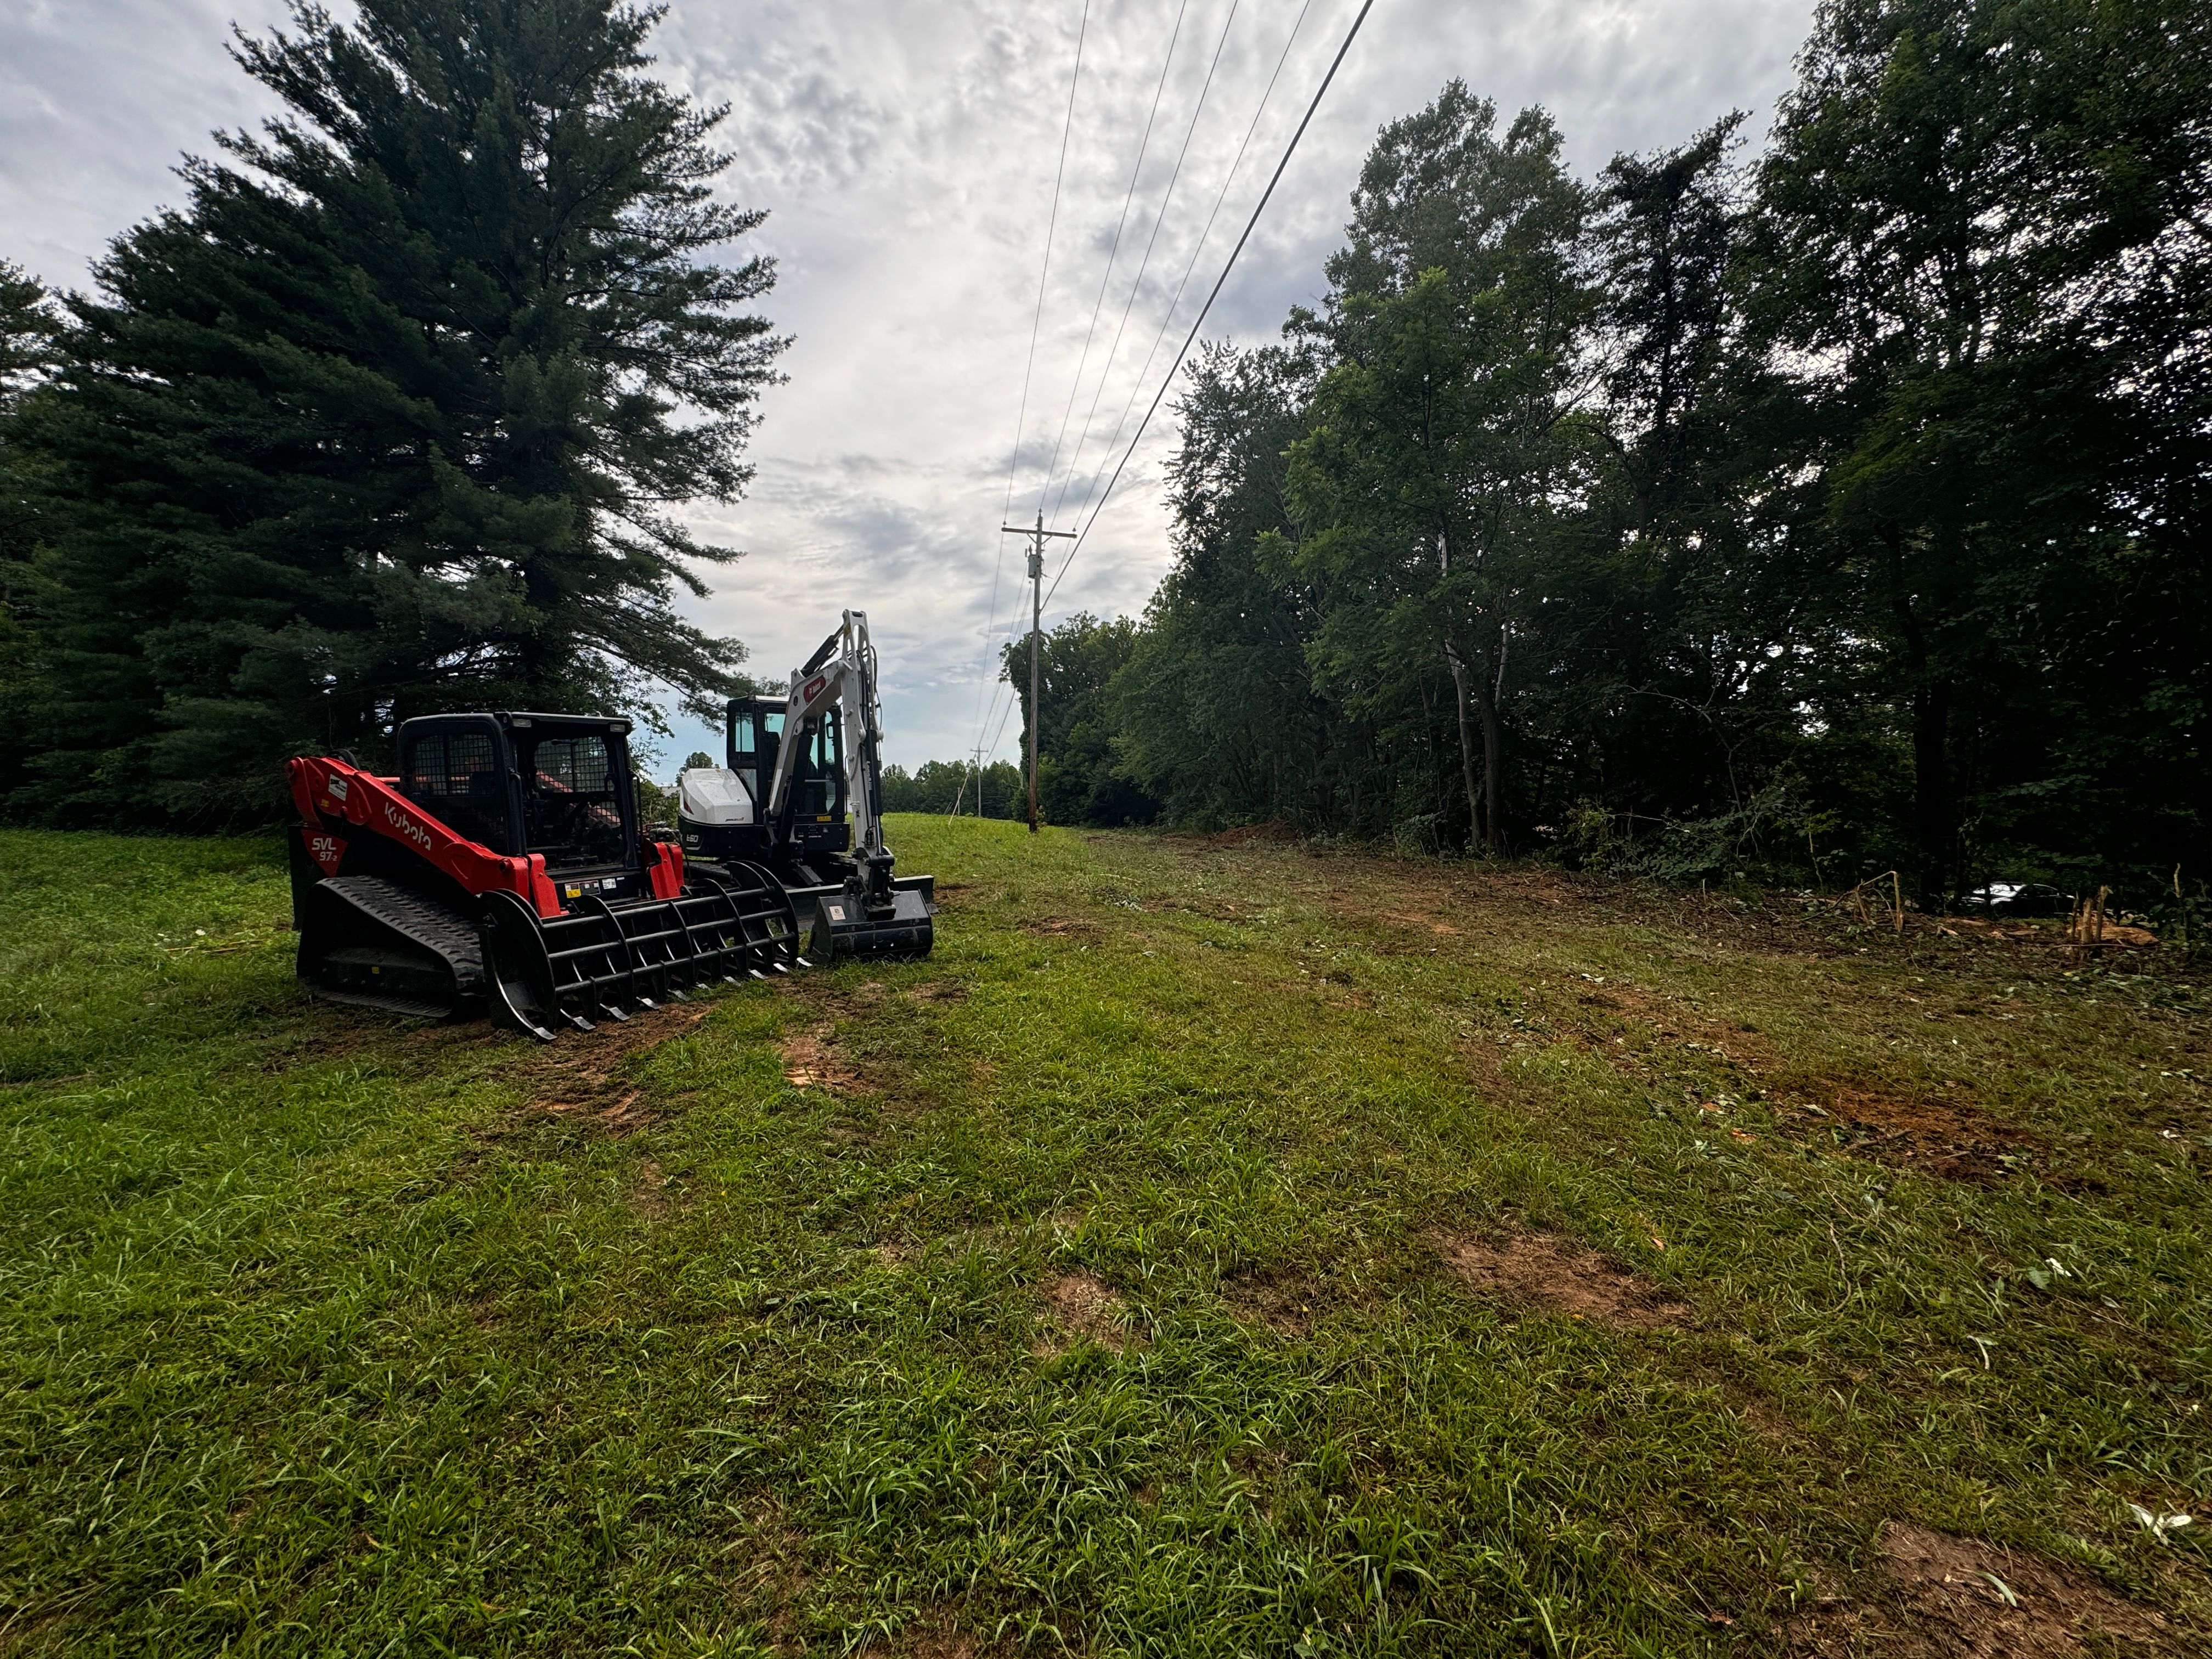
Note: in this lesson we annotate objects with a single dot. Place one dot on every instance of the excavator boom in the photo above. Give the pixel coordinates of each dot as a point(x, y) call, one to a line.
point(827, 741)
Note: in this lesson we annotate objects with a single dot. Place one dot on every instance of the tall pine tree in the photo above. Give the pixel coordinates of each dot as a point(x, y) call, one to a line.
point(395, 415)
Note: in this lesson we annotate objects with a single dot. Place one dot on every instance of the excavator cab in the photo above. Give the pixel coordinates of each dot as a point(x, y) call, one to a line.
point(725, 814)
point(816, 807)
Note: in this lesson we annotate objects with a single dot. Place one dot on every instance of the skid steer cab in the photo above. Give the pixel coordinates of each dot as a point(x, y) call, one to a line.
point(504, 871)
point(802, 798)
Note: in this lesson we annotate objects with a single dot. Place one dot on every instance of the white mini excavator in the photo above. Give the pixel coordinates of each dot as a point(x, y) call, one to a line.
point(802, 797)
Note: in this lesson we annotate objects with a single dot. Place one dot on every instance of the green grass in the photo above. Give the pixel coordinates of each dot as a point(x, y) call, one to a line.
point(327, 1334)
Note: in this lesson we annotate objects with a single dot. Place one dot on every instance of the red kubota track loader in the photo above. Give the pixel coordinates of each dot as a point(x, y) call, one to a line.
point(504, 871)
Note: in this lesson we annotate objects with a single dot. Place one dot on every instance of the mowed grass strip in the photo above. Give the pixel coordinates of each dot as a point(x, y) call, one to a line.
point(1211, 1248)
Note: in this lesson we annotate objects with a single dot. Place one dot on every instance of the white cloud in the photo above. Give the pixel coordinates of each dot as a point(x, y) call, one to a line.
point(906, 155)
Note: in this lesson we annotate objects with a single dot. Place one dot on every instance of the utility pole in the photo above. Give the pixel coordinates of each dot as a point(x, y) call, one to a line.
point(1037, 538)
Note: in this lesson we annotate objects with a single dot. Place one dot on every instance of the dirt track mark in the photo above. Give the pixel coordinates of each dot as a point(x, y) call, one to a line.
point(1085, 1309)
point(1287, 1305)
point(576, 1074)
point(1963, 1598)
point(1545, 1271)
point(811, 1061)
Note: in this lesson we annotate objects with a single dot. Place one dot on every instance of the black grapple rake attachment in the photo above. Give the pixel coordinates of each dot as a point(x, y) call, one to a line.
point(601, 961)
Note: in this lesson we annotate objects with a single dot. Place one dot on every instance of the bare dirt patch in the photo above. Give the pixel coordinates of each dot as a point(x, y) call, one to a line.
point(811, 1061)
point(1559, 1275)
point(1058, 928)
point(1407, 918)
point(1085, 1309)
point(939, 990)
point(1953, 1140)
point(938, 1638)
point(595, 1053)
point(775, 1573)
point(1963, 1598)
point(1286, 1304)
point(1274, 830)
point(618, 1111)
point(575, 1075)
point(649, 1196)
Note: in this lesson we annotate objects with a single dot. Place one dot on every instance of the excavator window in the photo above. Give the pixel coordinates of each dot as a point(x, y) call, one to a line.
point(454, 777)
point(818, 774)
point(573, 805)
point(818, 779)
point(747, 759)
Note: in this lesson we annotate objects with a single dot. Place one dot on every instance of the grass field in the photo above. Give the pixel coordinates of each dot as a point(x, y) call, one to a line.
point(1211, 1248)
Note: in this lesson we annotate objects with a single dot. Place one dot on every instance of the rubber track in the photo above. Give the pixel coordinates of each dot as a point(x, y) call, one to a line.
point(433, 926)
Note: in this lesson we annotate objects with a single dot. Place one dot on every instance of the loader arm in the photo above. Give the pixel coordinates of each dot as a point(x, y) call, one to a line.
point(841, 673)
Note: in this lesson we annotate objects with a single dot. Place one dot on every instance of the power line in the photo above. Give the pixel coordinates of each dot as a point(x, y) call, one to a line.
point(1197, 248)
point(1021, 419)
point(1052, 222)
point(1112, 253)
point(1189, 265)
point(1097, 306)
point(1076, 546)
point(1144, 264)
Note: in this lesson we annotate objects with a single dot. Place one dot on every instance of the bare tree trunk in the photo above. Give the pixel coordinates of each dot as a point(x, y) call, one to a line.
point(1478, 829)
point(1493, 766)
point(1931, 730)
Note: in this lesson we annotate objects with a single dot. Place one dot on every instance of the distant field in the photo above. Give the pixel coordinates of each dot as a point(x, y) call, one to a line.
point(1213, 1249)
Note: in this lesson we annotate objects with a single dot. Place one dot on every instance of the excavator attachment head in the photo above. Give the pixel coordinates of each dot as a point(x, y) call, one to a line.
point(851, 922)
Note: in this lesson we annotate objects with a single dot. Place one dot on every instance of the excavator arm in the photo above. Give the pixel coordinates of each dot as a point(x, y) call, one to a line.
point(841, 673)
point(870, 912)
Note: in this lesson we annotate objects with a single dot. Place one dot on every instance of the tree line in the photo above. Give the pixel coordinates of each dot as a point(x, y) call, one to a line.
point(1830, 510)
point(392, 416)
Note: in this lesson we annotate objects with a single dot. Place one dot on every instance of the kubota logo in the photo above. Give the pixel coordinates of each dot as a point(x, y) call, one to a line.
point(407, 826)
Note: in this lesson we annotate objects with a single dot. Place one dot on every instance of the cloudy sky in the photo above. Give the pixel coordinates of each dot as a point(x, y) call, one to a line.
point(906, 154)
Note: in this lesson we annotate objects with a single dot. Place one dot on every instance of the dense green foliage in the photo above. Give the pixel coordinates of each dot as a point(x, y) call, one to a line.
point(1091, 1285)
point(1838, 511)
point(1079, 780)
point(950, 788)
point(390, 417)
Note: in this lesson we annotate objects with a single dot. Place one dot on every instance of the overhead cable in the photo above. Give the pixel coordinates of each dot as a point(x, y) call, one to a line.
point(1190, 265)
point(1183, 283)
point(1013, 456)
point(1076, 546)
point(1113, 251)
point(1144, 265)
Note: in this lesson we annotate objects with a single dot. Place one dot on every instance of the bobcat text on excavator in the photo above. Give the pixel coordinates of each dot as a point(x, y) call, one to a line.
point(504, 869)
